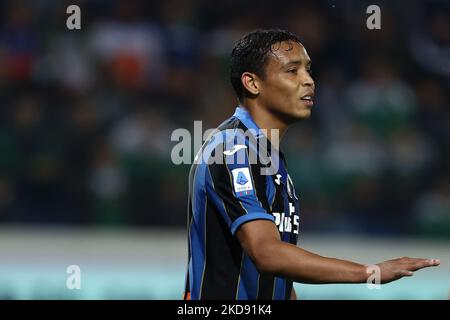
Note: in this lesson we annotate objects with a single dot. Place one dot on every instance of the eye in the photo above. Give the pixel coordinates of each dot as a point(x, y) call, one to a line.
point(293, 70)
point(310, 71)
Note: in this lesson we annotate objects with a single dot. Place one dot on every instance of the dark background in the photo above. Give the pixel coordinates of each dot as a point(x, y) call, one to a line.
point(86, 115)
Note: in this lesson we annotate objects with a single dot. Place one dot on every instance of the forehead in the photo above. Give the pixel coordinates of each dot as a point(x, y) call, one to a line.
point(285, 52)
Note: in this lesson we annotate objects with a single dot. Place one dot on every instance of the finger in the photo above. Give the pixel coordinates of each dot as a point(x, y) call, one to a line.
point(434, 262)
point(423, 263)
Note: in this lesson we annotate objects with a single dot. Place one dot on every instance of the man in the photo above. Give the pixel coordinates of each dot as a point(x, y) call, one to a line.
point(244, 213)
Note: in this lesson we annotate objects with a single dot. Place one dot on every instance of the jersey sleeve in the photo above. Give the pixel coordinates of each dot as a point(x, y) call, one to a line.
point(231, 186)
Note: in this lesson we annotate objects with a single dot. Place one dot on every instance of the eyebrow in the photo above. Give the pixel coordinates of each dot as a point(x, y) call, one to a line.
point(294, 62)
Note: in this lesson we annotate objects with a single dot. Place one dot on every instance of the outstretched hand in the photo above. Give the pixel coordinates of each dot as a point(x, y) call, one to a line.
point(395, 269)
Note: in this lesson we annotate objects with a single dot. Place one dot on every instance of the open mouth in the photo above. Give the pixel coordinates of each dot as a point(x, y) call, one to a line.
point(308, 99)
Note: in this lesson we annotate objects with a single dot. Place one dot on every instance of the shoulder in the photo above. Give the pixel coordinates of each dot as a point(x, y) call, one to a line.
point(231, 138)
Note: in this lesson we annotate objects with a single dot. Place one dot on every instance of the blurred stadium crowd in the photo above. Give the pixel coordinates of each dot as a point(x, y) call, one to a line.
point(86, 115)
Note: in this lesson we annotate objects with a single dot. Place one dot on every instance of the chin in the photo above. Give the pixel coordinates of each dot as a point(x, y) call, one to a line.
point(303, 114)
point(295, 115)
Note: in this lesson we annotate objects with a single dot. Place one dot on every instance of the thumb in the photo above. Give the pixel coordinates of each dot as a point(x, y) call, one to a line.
point(406, 273)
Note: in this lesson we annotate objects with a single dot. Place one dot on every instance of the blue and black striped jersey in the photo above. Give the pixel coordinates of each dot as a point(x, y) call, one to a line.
point(228, 187)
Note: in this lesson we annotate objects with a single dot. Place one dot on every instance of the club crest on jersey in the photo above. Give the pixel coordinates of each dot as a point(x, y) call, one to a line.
point(242, 182)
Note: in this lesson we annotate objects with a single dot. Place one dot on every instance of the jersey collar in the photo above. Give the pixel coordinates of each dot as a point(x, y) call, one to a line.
point(244, 116)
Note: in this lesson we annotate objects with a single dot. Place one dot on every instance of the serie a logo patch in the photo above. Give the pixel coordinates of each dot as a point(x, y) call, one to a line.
point(242, 182)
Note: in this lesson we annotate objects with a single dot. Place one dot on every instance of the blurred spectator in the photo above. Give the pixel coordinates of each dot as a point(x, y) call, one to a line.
point(108, 184)
point(432, 210)
point(129, 48)
point(380, 99)
point(434, 116)
point(20, 41)
point(430, 43)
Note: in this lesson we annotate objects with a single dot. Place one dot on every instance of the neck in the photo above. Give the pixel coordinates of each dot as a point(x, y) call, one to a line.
point(265, 119)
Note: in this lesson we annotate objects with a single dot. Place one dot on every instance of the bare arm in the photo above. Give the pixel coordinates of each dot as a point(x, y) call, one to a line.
point(261, 240)
point(293, 294)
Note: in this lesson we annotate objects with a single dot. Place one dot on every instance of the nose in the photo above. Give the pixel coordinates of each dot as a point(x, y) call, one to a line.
point(308, 80)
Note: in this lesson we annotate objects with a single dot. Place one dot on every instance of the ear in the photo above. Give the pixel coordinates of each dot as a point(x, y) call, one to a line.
point(250, 81)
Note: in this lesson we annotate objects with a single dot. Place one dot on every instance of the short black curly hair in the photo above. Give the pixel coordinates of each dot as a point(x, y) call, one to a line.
point(250, 55)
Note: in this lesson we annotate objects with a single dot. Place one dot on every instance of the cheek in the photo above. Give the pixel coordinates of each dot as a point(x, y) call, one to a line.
point(282, 89)
point(277, 97)
point(287, 92)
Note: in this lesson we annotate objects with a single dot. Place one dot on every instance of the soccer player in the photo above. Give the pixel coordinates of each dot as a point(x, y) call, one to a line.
point(243, 213)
